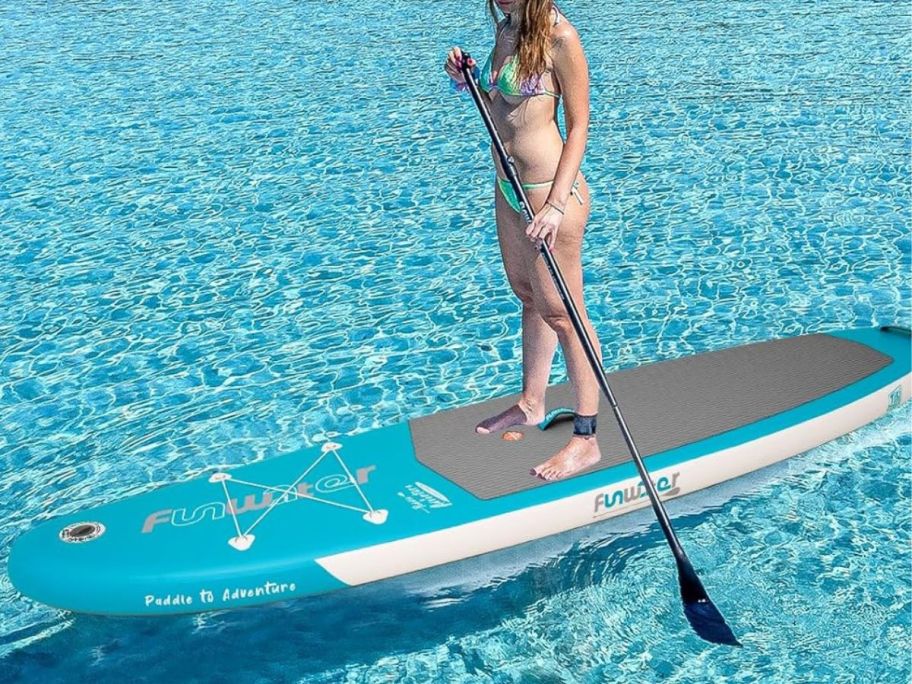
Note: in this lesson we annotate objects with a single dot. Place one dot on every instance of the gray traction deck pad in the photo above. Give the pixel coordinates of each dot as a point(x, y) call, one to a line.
point(666, 404)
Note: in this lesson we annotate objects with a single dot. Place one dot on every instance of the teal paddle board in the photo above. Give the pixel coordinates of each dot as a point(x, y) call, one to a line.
point(430, 491)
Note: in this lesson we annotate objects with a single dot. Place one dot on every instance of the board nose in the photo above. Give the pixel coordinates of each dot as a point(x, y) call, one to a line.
point(66, 563)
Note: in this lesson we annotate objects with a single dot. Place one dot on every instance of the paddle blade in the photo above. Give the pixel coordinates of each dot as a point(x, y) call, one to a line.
point(709, 624)
point(701, 612)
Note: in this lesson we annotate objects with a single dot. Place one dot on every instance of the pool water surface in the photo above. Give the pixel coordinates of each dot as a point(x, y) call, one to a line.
point(230, 230)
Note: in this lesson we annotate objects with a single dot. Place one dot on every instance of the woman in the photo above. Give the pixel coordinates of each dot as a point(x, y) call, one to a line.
point(537, 59)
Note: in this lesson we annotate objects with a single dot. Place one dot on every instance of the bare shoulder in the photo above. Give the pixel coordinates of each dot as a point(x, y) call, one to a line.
point(564, 35)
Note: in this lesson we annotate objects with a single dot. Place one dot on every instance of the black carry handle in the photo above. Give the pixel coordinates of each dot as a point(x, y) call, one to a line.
point(702, 614)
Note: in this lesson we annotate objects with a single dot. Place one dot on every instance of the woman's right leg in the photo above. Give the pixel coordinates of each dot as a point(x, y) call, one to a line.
point(539, 341)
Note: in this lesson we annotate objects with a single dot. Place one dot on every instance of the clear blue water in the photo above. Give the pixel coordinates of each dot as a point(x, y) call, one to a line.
point(228, 229)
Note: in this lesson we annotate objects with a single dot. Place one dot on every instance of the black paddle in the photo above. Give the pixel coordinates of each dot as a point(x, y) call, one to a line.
point(702, 614)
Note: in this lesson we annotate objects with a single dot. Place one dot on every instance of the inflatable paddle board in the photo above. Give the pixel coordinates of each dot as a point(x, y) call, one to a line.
point(430, 491)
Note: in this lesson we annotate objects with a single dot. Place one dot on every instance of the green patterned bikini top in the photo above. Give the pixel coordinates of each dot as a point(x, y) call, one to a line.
point(506, 81)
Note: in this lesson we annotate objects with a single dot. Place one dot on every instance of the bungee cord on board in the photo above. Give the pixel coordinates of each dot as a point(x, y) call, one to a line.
point(244, 539)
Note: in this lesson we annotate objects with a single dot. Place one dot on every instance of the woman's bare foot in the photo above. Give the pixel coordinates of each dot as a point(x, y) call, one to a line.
point(579, 454)
point(518, 414)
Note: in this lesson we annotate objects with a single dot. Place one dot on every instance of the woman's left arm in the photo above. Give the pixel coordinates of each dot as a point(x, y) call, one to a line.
point(571, 71)
point(572, 74)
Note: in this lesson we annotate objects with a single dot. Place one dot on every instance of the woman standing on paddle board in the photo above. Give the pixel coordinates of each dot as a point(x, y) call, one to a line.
point(537, 59)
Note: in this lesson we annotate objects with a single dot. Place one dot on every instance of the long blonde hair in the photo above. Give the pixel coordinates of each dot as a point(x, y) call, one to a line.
point(533, 38)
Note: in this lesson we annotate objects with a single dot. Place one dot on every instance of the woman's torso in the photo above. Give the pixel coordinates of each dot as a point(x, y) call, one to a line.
point(527, 124)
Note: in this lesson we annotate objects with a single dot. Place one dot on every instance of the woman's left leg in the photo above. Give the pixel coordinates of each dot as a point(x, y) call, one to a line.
point(582, 450)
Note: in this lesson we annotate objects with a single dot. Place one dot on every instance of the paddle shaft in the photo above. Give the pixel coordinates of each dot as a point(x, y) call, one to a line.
point(573, 312)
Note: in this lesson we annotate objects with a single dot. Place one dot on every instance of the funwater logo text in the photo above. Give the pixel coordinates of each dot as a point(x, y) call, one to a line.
point(621, 497)
point(216, 510)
